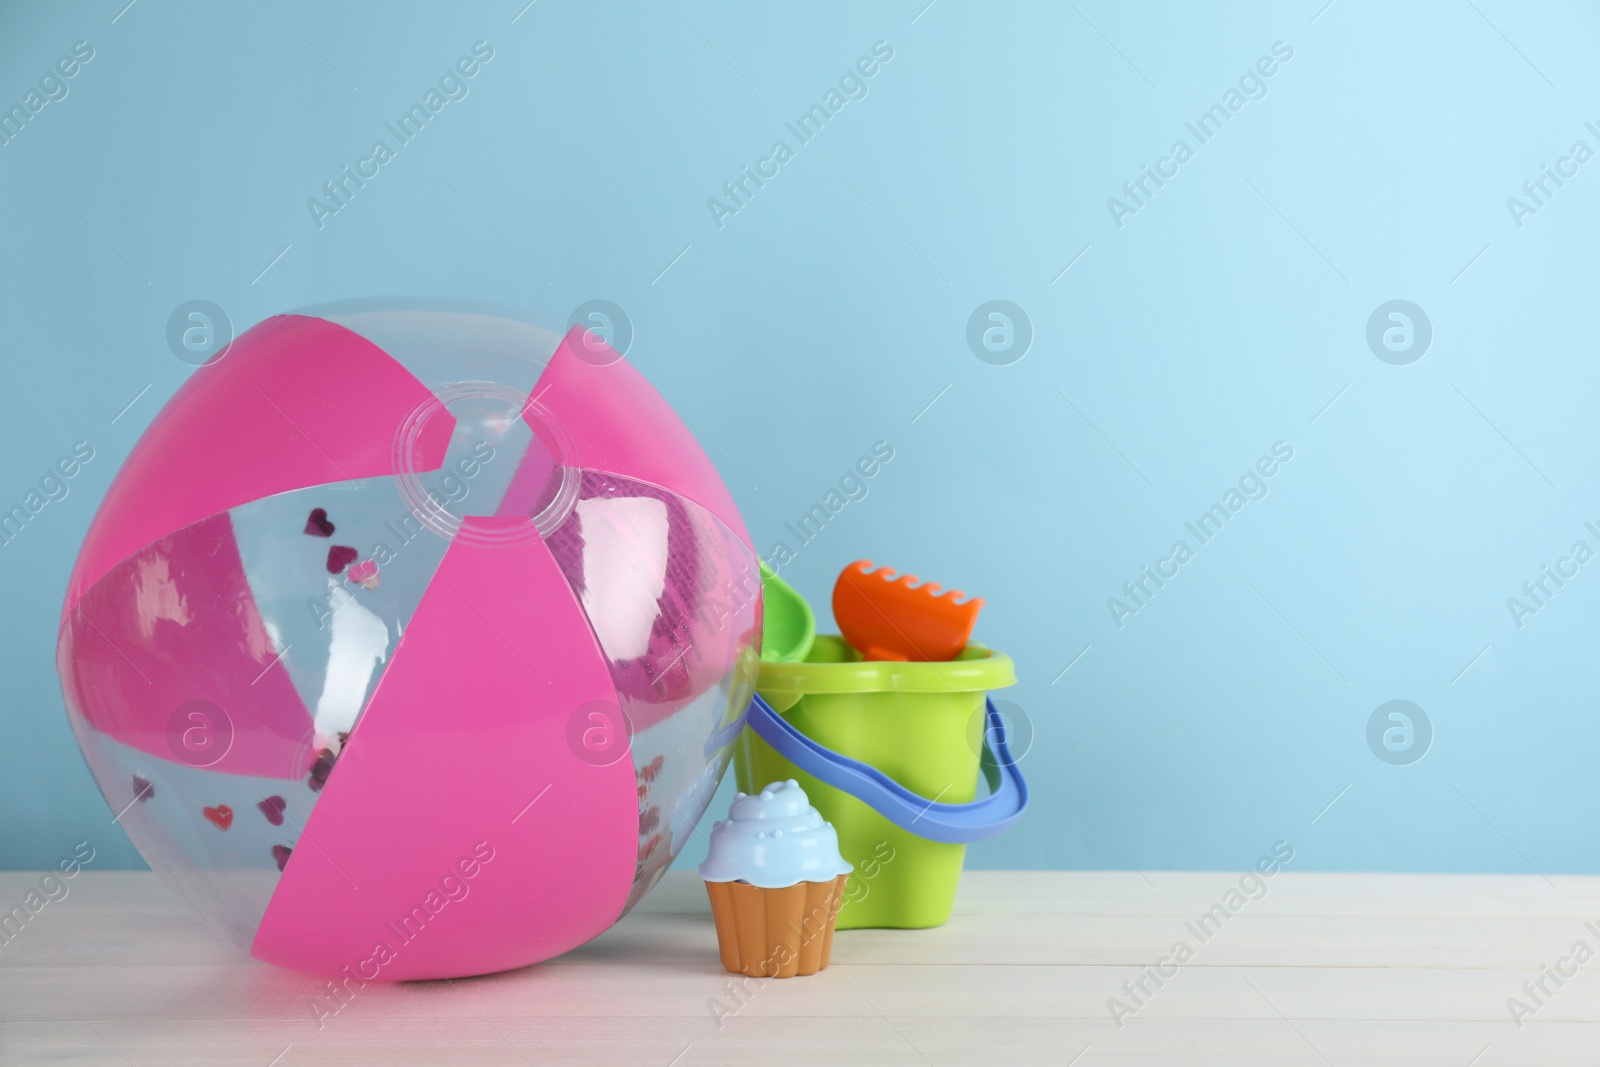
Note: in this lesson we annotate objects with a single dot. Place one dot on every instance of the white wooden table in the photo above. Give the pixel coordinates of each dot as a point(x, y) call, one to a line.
point(1326, 968)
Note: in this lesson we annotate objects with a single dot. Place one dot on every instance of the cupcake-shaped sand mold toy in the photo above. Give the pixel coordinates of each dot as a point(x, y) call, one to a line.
point(776, 881)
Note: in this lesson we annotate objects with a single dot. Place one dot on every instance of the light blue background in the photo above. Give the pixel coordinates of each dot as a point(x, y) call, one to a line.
point(826, 315)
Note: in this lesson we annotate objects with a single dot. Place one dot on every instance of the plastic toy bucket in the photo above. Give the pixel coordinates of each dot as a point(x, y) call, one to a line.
point(890, 753)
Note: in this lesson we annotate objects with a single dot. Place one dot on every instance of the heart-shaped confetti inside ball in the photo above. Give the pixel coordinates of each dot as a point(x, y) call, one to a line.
point(317, 525)
point(365, 572)
point(281, 854)
point(340, 557)
point(220, 816)
point(142, 789)
point(649, 846)
point(321, 769)
point(273, 808)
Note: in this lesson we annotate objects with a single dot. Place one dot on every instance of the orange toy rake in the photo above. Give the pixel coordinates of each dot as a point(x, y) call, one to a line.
point(886, 617)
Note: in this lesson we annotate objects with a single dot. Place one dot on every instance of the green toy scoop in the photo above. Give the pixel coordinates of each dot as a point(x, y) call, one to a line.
point(789, 626)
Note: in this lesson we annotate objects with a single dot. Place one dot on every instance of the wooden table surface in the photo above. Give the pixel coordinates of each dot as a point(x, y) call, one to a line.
point(1322, 969)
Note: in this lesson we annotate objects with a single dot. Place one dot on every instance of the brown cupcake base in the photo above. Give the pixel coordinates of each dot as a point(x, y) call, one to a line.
point(775, 933)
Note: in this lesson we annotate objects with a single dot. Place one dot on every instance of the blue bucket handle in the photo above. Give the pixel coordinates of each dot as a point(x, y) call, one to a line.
point(949, 823)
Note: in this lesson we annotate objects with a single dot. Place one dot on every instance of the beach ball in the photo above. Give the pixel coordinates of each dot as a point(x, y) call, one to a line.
point(410, 642)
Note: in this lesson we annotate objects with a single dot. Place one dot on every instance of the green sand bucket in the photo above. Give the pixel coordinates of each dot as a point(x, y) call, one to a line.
point(890, 754)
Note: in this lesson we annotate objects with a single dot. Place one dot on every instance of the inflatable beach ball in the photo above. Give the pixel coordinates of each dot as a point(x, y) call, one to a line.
point(411, 642)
